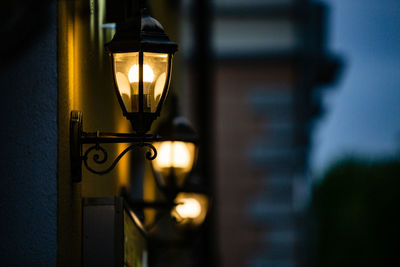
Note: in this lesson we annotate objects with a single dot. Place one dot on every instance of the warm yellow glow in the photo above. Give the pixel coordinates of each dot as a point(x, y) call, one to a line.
point(123, 84)
point(164, 155)
point(191, 208)
point(155, 78)
point(133, 74)
point(181, 155)
point(174, 158)
point(188, 208)
point(159, 86)
point(173, 155)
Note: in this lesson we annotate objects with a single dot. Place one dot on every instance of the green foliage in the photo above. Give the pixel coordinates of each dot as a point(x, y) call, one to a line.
point(357, 214)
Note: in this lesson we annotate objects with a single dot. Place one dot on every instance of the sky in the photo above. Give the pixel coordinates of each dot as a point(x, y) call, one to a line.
point(363, 107)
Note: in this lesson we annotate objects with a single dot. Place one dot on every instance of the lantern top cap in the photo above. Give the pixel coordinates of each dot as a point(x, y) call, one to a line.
point(145, 34)
point(151, 25)
point(179, 130)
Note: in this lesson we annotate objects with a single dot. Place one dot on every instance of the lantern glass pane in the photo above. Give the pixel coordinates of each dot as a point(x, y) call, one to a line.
point(174, 157)
point(155, 73)
point(126, 74)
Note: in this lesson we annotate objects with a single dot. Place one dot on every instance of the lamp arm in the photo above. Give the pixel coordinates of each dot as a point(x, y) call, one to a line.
point(163, 208)
point(78, 138)
point(100, 159)
point(155, 205)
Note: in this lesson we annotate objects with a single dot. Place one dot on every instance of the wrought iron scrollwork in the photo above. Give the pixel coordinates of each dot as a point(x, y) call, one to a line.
point(100, 156)
point(97, 154)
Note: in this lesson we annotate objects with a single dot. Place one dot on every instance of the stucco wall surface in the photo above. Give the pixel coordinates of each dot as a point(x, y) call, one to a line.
point(28, 136)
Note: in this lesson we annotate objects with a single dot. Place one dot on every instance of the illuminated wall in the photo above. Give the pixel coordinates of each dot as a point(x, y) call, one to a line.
point(85, 83)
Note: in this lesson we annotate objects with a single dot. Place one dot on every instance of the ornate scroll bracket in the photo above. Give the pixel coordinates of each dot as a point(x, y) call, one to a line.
point(100, 156)
point(101, 159)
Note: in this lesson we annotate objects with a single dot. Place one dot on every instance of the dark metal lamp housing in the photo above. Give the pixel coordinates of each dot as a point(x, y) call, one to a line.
point(141, 55)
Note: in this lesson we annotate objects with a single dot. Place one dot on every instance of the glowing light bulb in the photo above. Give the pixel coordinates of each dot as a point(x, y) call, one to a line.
point(189, 208)
point(181, 155)
point(164, 155)
point(173, 154)
point(133, 74)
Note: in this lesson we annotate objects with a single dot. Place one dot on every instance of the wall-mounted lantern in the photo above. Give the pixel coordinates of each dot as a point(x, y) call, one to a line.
point(190, 209)
point(177, 152)
point(141, 54)
point(141, 63)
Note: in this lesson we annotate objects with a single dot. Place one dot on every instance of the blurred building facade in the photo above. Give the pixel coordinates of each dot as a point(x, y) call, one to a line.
point(268, 60)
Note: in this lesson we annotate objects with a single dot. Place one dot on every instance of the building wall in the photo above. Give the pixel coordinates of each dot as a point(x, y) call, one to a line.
point(28, 142)
point(269, 56)
point(254, 107)
point(85, 84)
